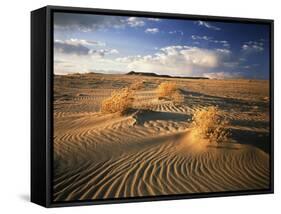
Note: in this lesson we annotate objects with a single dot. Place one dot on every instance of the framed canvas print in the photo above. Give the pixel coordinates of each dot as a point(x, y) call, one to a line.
point(138, 106)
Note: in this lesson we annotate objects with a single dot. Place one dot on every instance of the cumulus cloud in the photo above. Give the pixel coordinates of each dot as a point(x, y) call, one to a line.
point(152, 30)
point(113, 51)
point(70, 63)
point(253, 46)
point(176, 60)
point(102, 52)
point(79, 55)
point(74, 56)
point(84, 42)
point(207, 25)
point(79, 47)
point(223, 75)
point(135, 22)
point(68, 48)
point(225, 51)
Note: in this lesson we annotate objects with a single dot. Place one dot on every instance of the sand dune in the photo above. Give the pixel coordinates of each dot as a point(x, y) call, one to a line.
point(152, 150)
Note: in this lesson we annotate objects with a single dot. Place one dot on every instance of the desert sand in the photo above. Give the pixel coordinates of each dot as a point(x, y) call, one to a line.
point(151, 149)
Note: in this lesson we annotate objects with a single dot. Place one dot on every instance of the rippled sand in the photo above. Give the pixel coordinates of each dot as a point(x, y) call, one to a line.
point(151, 150)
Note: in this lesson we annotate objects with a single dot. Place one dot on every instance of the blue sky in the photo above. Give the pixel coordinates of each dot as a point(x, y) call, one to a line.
point(119, 44)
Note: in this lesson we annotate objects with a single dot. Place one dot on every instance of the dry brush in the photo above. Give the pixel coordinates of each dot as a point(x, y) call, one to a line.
point(170, 90)
point(119, 102)
point(209, 123)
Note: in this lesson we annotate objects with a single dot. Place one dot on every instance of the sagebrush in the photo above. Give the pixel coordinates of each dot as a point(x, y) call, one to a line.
point(166, 89)
point(209, 123)
point(170, 90)
point(120, 101)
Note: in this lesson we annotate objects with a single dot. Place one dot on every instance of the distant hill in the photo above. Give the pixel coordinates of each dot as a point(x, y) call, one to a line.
point(165, 76)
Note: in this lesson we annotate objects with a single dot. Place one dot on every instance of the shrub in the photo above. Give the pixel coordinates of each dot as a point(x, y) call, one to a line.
point(209, 123)
point(166, 89)
point(119, 101)
point(170, 90)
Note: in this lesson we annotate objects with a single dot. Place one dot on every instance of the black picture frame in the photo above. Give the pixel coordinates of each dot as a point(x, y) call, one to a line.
point(42, 109)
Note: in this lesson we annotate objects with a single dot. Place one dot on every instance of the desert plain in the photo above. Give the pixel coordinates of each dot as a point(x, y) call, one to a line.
point(152, 146)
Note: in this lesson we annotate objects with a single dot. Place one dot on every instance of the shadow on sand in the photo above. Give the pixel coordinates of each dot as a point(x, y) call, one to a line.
point(260, 140)
point(148, 115)
point(223, 102)
point(228, 147)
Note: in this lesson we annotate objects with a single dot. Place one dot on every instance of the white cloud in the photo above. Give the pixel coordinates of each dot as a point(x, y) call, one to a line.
point(154, 19)
point(223, 75)
point(82, 47)
point(176, 60)
point(77, 42)
point(135, 22)
point(253, 46)
point(67, 47)
point(152, 30)
point(200, 57)
point(69, 63)
point(207, 25)
point(113, 51)
point(102, 52)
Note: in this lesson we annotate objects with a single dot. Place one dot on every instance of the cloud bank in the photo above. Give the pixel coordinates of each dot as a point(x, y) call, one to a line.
point(176, 60)
point(223, 75)
point(77, 56)
point(79, 47)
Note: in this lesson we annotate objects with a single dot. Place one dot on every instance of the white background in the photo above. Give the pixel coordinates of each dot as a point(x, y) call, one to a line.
point(15, 106)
